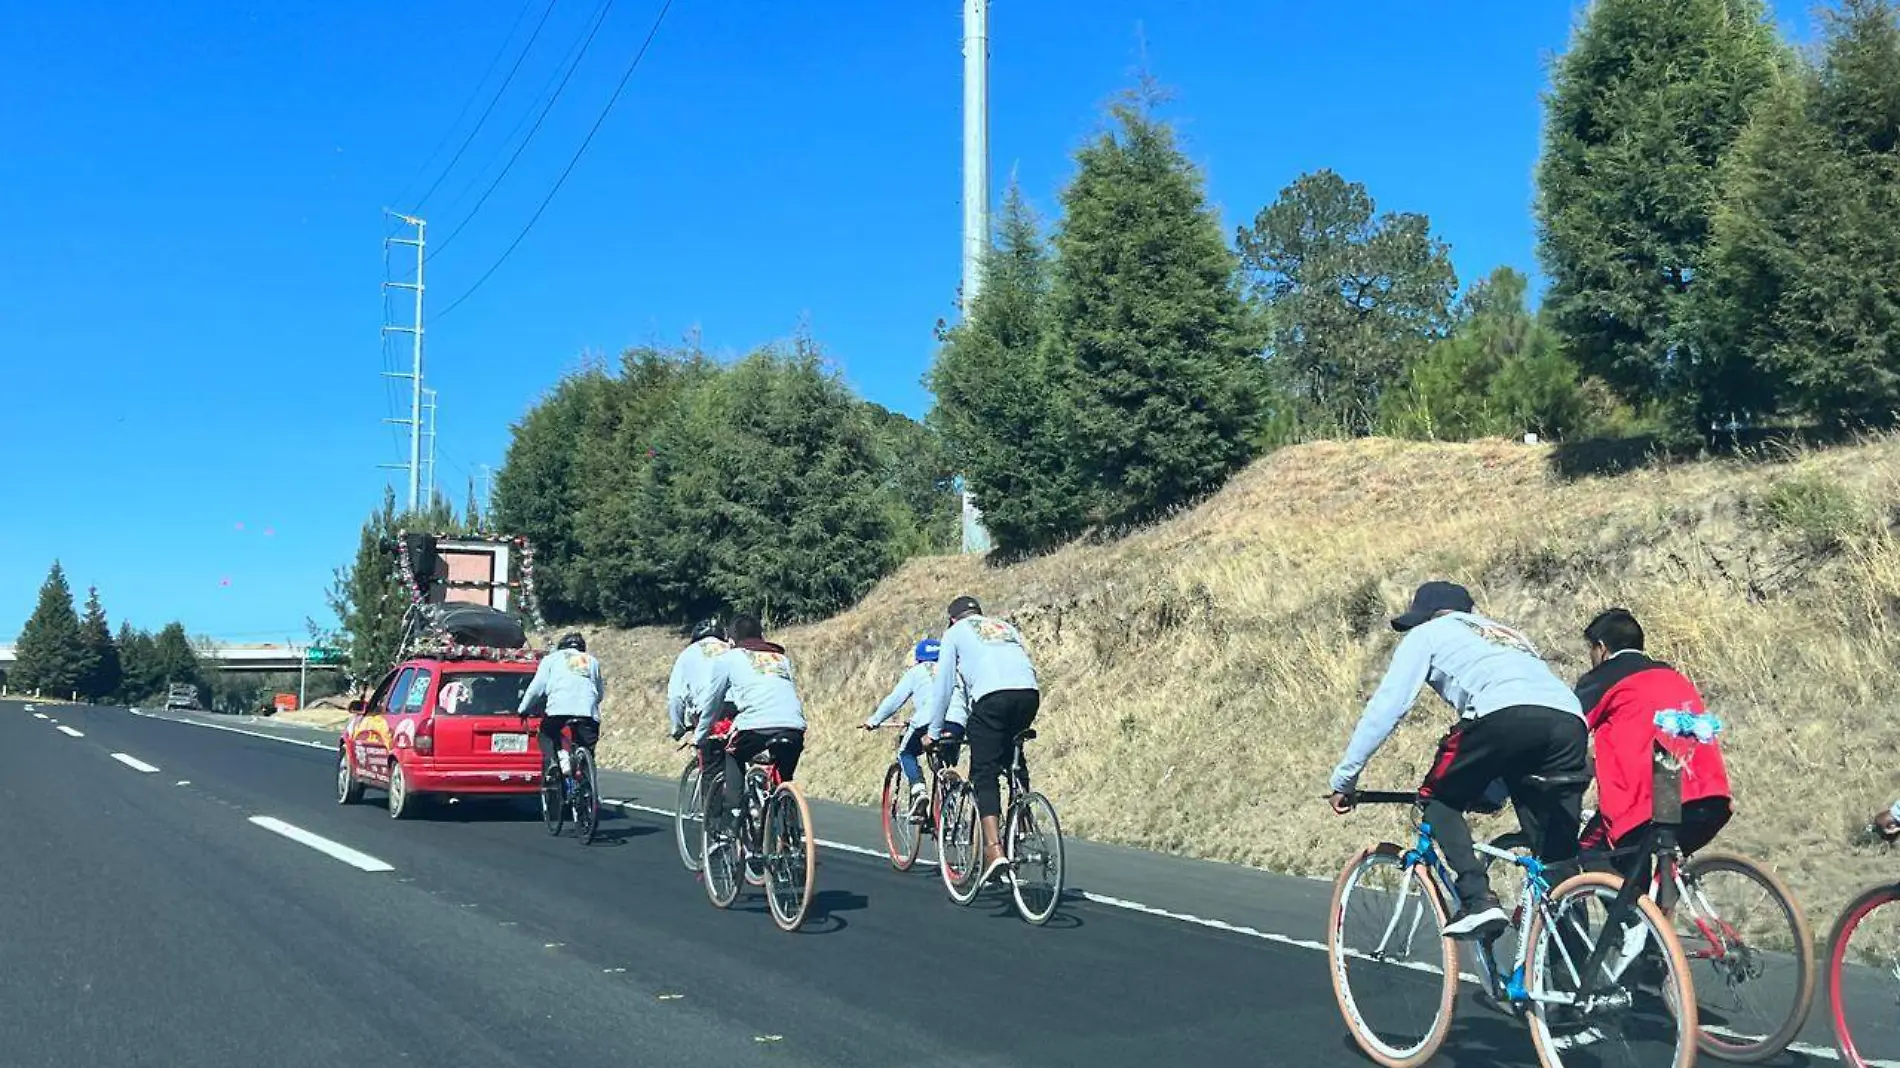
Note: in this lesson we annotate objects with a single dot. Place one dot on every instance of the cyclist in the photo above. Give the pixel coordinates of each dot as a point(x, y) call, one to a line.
point(1516, 718)
point(918, 686)
point(756, 676)
point(691, 669)
point(985, 656)
point(569, 680)
point(1621, 695)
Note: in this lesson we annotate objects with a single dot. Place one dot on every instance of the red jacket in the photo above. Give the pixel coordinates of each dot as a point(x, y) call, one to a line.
point(1620, 700)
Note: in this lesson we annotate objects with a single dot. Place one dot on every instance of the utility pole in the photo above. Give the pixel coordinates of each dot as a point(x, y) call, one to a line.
point(414, 329)
point(429, 495)
point(976, 199)
point(487, 489)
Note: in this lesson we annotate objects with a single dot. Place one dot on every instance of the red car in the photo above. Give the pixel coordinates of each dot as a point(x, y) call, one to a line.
point(440, 726)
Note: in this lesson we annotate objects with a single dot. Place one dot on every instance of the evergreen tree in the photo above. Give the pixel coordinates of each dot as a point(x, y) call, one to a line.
point(1642, 110)
point(1802, 305)
point(51, 652)
point(369, 598)
point(1001, 402)
point(175, 661)
point(539, 494)
point(141, 677)
point(104, 679)
point(1352, 297)
point(1158, 348)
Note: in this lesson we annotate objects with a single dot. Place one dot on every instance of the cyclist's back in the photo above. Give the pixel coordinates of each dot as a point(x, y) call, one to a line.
point(569, 680)
point(756, 677)
point(986, 656)
point(692, 673)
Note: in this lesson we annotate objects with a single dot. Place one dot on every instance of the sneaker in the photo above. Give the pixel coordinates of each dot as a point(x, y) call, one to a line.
point(1481, 920)
point(919, 799)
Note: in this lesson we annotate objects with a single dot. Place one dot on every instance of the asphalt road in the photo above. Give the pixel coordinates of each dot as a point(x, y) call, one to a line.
point(153, 921)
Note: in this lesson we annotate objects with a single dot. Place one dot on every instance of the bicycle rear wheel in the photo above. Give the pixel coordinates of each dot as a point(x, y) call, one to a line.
point(721, 852)
point(1034, 842)
point(1751, 954)
point(586, 797)
point(903, 835)
point(553, 803)
point(689, 817)
point(791, 856)
point(1394, 975)
point(958, 830)
point(1863, 977)
point(1636, 1011)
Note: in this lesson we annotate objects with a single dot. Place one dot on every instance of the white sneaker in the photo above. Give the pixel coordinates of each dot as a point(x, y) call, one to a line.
point(919, 798)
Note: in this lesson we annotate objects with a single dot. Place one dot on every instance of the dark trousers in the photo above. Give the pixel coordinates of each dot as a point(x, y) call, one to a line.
point(548, 737)
point(1702, 820)
point(995, 721)
point(1509, 744)
point(785, 744)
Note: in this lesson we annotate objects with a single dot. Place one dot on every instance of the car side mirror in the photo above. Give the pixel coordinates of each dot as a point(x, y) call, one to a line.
point(357, 707)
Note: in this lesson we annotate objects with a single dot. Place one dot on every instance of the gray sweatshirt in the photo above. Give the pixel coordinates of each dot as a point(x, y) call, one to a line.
point(570, 679)
point(692, 671)
point(984, 656)
point(919, 687)
point(1477, 665)
point(756, 676)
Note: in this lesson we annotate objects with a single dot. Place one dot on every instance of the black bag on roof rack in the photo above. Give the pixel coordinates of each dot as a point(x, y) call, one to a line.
point(474, 624)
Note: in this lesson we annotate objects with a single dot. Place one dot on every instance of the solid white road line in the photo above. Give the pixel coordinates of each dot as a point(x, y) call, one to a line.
point(69, 732)
point(322, 845)
point(239, 730)
point(133, 762)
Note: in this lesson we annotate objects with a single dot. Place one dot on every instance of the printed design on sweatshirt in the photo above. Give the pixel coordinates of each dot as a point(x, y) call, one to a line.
point(996, 632)
point(777, 665)
point(1500, 635)
point(576, 661)
point(711, 648)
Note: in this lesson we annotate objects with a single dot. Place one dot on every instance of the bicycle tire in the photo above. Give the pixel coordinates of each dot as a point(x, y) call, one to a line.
point(1385, 854)
point(553, 804)
point(1035, 907)
point(791, 857)
point(721, 850)
point(1800, 937)
point(1682, 1010)
point(903, 838)
point(688, 817)
point(958, 832)
point(1863, 905)
point(754, 864)
point(586, 797)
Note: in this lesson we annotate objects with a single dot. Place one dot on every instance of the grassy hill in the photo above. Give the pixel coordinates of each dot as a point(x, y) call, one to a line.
point(1201, 675)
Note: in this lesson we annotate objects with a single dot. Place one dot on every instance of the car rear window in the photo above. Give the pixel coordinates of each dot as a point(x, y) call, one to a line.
point(482, 693)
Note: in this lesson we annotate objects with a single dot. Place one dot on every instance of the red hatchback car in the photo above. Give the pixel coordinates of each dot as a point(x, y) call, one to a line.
point(439, 726)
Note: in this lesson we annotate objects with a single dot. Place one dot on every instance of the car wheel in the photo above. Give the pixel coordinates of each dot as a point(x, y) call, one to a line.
point(399, 800)
point(348, 790)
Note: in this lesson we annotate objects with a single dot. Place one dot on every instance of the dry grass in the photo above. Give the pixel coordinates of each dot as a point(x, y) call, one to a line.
point(327, 718)
point(1201, 675)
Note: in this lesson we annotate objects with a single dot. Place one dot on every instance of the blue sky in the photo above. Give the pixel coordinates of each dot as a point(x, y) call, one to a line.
point(190, 206)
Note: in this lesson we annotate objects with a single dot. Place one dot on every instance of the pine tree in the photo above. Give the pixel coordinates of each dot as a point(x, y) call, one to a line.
point(369, 599)
point(105, 676)
point(175, 661)
point(1642, 110)
point(141, 679)
point(51, 653)
point(1001, 405)
point(1158, 350)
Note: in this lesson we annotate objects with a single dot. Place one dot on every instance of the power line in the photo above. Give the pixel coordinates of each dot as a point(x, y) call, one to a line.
point(449, 131)
point(562, 180)
point(496, 99)
point(600, 17)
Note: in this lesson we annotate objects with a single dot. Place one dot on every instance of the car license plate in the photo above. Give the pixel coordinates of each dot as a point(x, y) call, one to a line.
point(508, 743)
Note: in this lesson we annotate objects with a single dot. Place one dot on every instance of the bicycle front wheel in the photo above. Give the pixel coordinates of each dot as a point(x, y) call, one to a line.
point(1863, 978)
point(553, 804)
point(791, 856)
point(1751, 954)
point(958, 831)
point(688, 818)
point(1394, 974)
point(1034, 842)
point(903, 835)
point(1637, 1010)
point(586, 797)
point(720, 849)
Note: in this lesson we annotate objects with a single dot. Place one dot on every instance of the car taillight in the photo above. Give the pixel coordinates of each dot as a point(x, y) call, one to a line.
point(425, 737)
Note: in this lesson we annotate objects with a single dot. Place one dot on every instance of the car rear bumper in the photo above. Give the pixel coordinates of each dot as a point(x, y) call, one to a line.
point(428, 777)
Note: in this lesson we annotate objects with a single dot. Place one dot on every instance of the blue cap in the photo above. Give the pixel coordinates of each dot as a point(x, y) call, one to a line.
point(928, 649)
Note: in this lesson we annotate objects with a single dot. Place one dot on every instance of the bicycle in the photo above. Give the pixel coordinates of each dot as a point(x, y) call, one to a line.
point(688, 806)
point(773, 832)
point(1032, 840)
point(1568, 987)
point(577, 793)
point(904, 827)
point(1872, 963)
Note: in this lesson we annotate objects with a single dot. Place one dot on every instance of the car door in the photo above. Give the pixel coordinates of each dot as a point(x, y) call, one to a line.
point(475, 721)
point(373, 739)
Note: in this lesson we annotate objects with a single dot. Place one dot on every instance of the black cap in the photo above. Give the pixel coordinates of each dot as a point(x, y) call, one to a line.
point(572, 641)
point(964, 606)
point(1430, 599)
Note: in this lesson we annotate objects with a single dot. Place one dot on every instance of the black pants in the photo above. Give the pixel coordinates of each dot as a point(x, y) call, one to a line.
point(1509, 744)
point(995, 721)
point(586, 735)
point(785, 744)
point(1702, 820)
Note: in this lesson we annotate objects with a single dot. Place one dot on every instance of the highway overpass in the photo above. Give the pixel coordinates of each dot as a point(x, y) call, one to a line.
point(257, 657)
